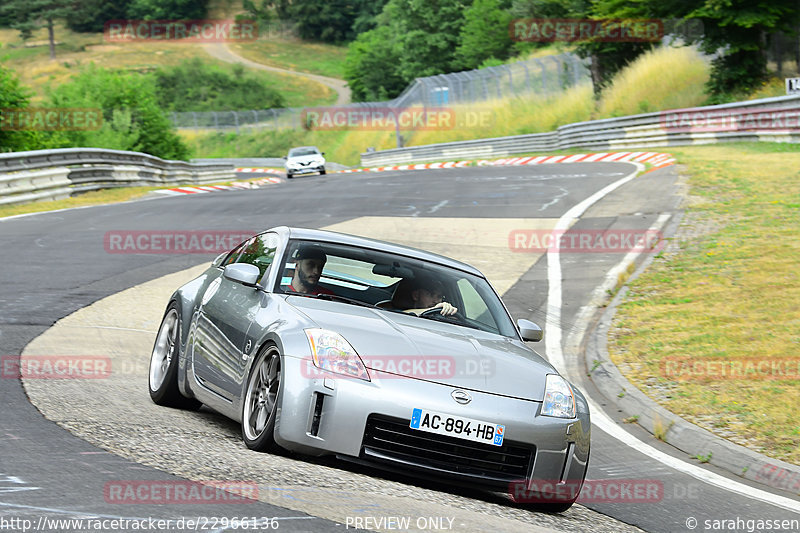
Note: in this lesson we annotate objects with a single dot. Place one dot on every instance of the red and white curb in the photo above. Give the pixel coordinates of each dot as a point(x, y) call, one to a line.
point(236, 185)
point(420, 166)
point(260, 170)
point(657, 159)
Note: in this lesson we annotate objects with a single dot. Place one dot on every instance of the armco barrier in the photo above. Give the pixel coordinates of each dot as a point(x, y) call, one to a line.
point(647, 130)
point(54, 174)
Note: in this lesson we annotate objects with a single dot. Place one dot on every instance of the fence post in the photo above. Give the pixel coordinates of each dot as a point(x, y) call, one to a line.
point(559, 71)
point(544, 75)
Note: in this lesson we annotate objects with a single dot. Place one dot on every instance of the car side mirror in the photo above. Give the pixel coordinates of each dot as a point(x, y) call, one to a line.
point(323, 153)
point(529, 331)
point(243, 273)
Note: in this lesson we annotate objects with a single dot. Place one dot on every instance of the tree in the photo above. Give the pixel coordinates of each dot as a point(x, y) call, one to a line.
point(738, 30)
point(427, 32)
point(198, 86)
point(29, 15)
point(168, 9)
point(485, 34)
point(132, 119)
point(13, 96)
point(90, 16)
point(371, 66)
point(609, 57)
point(735, 30)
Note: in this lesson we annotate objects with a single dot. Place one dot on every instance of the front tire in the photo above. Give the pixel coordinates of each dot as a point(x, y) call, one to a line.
point(289, 175)
point(163, 372)
point(260, 403)
point(322, 172)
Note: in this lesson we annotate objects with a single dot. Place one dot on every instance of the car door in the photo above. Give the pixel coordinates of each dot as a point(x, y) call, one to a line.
point(225, 314)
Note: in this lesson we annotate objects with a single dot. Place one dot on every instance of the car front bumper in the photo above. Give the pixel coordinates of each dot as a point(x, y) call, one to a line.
point(310, 169)
point(369, 421)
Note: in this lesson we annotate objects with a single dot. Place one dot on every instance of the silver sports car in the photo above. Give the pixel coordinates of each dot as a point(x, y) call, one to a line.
point(325, 343)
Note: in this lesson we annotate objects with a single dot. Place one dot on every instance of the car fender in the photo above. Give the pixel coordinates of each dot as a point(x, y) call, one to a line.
point(187, 298)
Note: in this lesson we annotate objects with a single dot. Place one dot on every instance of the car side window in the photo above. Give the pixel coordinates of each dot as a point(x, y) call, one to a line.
point(260, 251)
point(474, 306)
point(237, 252)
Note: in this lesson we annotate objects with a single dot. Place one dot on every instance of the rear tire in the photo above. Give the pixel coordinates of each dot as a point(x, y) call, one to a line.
point(322, 172)
point(163, 372)
point(289, 175)
point(261, 400)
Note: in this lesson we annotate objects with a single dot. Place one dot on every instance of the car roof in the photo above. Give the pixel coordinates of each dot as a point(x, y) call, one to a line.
point(303, 147)
point(363, 242)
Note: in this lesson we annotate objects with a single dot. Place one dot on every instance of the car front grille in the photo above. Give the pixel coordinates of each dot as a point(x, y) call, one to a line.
point(392, 440)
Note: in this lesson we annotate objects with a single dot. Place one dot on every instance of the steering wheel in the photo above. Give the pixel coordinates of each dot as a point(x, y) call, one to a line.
point(436, 314)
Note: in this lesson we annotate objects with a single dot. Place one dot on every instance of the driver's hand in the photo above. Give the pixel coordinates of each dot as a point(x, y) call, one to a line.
point(447, 308)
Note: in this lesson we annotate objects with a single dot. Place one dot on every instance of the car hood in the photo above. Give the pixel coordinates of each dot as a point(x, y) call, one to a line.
point(305, 159)
point(392, 344)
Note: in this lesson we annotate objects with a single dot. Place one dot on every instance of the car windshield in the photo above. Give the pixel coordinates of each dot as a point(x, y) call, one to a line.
point(294, 152)
point(374, 278)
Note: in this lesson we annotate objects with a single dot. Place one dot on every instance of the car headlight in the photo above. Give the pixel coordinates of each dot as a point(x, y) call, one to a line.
point(559, 401)
point(332, 352)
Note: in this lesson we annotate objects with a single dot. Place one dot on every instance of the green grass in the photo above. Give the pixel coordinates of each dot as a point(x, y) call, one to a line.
point(731, 292)
point(497, 118)
point(36, 70)
point(294, 54)
point(106, 196)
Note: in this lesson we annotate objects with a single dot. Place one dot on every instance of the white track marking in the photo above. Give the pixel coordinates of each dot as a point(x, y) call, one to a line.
point(599, 418)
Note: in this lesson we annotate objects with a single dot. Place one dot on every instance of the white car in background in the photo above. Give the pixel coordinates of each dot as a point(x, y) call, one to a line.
point(304, 160)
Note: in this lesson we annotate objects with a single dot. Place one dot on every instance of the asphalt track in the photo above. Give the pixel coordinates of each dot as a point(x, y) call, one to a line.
point(56, 264)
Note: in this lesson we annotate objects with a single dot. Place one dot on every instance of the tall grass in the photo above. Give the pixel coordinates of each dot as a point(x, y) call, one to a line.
point(666, 78)
point(513, 116)
point(663, 78)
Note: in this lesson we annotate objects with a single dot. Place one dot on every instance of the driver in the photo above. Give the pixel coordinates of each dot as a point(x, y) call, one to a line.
point(420, 294)
point(310, 261)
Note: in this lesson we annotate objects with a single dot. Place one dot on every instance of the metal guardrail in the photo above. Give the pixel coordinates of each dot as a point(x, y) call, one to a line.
point(767, 119)
point(55, 174)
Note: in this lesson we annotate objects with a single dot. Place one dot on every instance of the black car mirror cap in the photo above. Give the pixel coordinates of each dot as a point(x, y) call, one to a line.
point(529, 331)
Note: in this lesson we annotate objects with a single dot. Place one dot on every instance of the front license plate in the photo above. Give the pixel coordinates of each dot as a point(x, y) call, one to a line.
point(458, 427)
